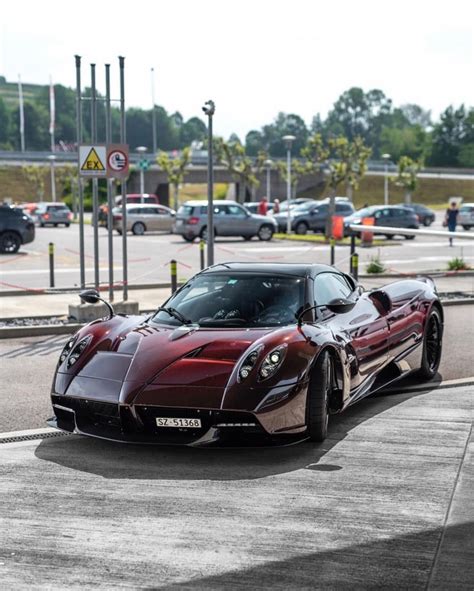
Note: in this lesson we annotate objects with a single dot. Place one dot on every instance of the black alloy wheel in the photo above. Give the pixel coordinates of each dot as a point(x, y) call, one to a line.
point(10, 242)
point(317, 403)
point(432, 345)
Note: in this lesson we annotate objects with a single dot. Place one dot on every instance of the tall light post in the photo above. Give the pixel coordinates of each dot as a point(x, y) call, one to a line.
point(153, 110)
point(209, 109)
point(288, 139)
point(141, 150)
point(268, 165)
point(51, 159)
point(386, 158)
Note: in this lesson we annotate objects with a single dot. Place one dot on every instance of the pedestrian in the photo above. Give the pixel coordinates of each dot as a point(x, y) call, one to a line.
point(276, 206)
point(451, 219)
point(263, 206)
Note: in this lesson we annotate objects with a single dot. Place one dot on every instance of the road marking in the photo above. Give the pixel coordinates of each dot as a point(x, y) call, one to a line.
point(285, 248)
point(417, 260)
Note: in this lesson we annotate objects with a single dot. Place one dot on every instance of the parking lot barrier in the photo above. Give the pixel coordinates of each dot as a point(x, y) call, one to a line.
point(174, 275)
point(201, 253)
point(51, 263)
point(355, 266)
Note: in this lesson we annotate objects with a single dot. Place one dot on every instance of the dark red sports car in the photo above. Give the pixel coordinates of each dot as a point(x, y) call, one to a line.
point(245, 349)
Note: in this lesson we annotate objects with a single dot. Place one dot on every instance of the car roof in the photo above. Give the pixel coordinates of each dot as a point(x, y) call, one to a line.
point(143, 205)
point(202, 202)
point(271, 268)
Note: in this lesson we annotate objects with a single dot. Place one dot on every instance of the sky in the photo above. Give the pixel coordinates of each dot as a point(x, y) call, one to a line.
point(254, 58)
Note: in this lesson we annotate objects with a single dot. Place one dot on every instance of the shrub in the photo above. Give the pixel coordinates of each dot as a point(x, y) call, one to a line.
point(458, 264)
point(375, 266)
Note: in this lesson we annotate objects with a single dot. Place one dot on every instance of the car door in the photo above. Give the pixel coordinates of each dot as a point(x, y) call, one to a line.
point(240, 223)
point(163, 219)
point(318, 217)
point(222, 223)
point(363, 331)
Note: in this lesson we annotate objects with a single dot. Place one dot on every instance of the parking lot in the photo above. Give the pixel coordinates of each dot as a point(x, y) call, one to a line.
point(149, 256)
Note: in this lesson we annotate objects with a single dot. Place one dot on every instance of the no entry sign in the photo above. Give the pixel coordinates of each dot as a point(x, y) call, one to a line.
point(117, 161)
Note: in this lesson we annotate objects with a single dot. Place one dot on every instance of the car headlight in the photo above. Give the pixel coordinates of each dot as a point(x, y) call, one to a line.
point(67, 349)
point(248, 364)
point(271, 363)
point(77, 351)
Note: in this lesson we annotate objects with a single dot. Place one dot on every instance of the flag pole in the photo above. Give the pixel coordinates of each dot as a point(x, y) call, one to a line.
point(22, 114)
point(52, 113)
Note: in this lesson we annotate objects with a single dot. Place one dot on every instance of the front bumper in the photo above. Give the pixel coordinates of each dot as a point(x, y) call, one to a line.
point(137, 424)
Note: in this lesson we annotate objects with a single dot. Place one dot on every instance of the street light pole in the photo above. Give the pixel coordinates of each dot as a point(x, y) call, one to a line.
point(153, 110)
point(386, 158)
point(288, 139)
point(52, 158)
point(141, 150)
point(209, 109)
point(268, 163)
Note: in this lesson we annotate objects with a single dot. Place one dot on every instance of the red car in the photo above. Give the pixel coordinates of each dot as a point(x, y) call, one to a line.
point(245, 349)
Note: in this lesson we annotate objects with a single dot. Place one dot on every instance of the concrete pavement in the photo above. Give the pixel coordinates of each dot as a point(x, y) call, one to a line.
point(385, 502)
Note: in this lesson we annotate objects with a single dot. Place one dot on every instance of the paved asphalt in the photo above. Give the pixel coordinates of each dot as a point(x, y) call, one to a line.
point(27, 365)
point(384, 503)
point(149, 256)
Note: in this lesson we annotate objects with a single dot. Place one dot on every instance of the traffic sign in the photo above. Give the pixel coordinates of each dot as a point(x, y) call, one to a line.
point(92, 161)
point(144, 164)
point(117, 161)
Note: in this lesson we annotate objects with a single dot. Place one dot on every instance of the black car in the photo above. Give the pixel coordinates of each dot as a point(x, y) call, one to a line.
point(392, 216)
point(312, 216)
point(16, 228)
point(425, 215)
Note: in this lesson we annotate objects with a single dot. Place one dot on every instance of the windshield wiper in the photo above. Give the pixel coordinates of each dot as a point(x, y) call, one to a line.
point(173, 312)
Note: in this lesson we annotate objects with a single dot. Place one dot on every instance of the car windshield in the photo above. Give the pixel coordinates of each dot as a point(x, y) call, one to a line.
point(223, 300)
point(303, 207)
point(365, 212)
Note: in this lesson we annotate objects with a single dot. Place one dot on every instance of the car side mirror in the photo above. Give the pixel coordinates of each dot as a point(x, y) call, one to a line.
point(381, 301)
point(340, 305)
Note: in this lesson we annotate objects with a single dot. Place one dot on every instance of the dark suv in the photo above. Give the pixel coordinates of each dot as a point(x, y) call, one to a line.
point(312, 216)
point(16, 228)
point(391, 216)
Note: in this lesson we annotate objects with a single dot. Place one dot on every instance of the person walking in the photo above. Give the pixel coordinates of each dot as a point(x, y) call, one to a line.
point(276, 206)
point(263, 206)
point(451, 219)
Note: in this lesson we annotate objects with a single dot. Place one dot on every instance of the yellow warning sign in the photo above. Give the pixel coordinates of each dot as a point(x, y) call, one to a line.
point(92, 160)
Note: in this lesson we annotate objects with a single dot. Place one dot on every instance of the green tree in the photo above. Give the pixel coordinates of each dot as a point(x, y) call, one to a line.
point(407, 176)
point(192, 130)
point(454, 131)
point(175, 168)
point(232, 155)
point(299, 168)
point(5, 126)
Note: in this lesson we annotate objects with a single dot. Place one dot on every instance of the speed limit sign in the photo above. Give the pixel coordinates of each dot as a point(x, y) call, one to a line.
point(117, 161)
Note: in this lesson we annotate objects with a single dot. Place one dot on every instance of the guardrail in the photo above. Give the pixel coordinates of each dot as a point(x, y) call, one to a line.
point(410, 231)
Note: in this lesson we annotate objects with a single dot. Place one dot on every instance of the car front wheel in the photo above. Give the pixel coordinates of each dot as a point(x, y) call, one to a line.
point(10, 242)
point(301, 228)
point(265, 233)
point(317, 403)
point(138, 229)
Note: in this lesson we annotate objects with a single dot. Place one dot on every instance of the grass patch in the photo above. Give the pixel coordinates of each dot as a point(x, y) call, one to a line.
point(320, 239)
point(375, 266)
point(458, 264)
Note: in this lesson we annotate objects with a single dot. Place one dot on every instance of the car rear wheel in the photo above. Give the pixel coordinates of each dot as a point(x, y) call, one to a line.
point(301, 228)
point(467, 227)
point(265, 233)
point(138, 228)
point(67, 225)
point(432, 345)
point(10, 242)
point(188, 238)
point(427, 222)
point(317, 404)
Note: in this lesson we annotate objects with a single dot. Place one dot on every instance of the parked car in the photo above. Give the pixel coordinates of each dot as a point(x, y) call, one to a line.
point(53, 214)
point(142, 218)
point(29, 208)
point(230, 219)
point(312, 215)
point(294, 202)
point(425, 215)
point(252, 206)
point(132, 198)
point(16, 228)
point(466, 216)
point(384, 215)
point(245, 350)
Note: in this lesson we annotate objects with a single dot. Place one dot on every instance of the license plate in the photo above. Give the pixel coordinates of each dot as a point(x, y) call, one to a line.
point(178, 423)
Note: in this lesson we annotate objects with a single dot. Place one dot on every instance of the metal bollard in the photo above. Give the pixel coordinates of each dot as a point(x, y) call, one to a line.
point(355, 266)
point(201, 253)
point(353, 249)
point(51, 263)
point(174, 275)
point(332, 243)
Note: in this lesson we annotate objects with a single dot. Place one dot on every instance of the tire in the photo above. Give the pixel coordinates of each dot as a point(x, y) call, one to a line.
point(389, 236)
point(55, 225)
point(427, 222)
point(41, 225)
point(247, 238)
point(317, 402)
point(10, 242)
point(119, 232)
point(138, 228)
point(301, 228)
point(188, 238)
point(265, 233)
point(410, 237)
point(203, 233)
point(67, 225)
point(432, 345)
point(467, 228)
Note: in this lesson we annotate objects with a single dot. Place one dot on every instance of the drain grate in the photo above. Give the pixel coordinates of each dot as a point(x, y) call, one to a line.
point(32, 437)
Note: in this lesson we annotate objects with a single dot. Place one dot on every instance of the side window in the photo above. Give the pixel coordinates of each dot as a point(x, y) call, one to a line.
point(220, 210)
point(328, 286)
point(236, 210)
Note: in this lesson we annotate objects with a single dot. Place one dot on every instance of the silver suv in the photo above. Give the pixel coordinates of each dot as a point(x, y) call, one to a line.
point(466, 216)
point(230, 219)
